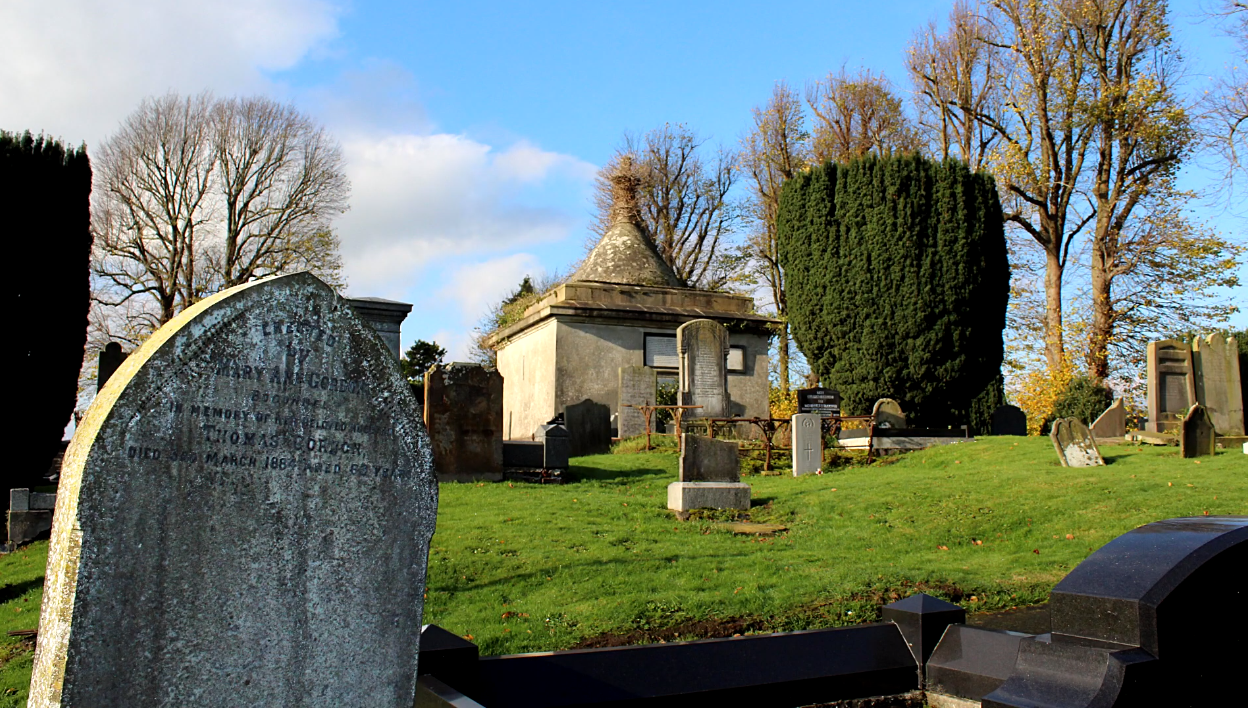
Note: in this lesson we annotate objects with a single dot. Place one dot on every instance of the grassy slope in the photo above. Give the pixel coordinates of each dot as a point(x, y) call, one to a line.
point(525, 568)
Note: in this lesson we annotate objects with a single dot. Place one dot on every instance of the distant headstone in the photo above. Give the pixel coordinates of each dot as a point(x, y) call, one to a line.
point(1218, 387)
point(110, 359)
point(247, 502)
point(807, 443)
point(464, 414)
point(825, 402)
point(703, 349)
point(589, 428)
point(1171, 385)
point(638, 387)
point(1074, 444)
point(1009, 420)
point(710, 476)
point(556, 445)
point(1113, 422)
point(888, 414)
point(1197, 438)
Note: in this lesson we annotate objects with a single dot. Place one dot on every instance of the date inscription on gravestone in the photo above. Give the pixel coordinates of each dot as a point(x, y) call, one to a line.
point(248, 501)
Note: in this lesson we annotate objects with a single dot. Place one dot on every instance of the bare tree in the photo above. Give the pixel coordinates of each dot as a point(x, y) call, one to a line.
point(685, 204)
point(857, 115)
point(199, 194)
point(773, 152)
point(957, 79)
point(1225, 121)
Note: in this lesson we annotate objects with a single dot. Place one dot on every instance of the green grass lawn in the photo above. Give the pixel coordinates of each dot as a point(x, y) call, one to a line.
point(989, 524)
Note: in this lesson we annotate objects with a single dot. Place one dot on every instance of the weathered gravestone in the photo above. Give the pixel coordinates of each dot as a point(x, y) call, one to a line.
point(243, 518)
point(703, 349)
point(1218, 388)
point(807, 443)
point(888, 414)
point(464, 414)
point(1113, 422)
point(1171, 385)
point(1009, 420)
point(556, 445)
point(638, 387)
point(710, 476)
point(111, 359)
point(1074, 443)
point(1197, 438)
point(589, 428)
point(824, 401)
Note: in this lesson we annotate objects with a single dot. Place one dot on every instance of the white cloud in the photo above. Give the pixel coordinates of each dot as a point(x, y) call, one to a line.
point(418, 198)
point(476, 287)
point(76, 68)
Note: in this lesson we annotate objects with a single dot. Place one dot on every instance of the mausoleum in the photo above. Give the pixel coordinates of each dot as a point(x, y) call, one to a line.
point(620, 308)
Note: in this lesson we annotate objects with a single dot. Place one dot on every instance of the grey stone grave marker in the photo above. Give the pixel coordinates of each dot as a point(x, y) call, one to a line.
point(1074, 444)
point(556, 445)
point(1113, 422)
point(1009, 420)
point(888, 414)
point(703, 349)
point(1171, 385)
point(710, 476)
point(1197, 438)
point(807, 443)
point(638, 387)
point(589, 428)
point(1218, 388)
point(243, 518)
point(464, 415)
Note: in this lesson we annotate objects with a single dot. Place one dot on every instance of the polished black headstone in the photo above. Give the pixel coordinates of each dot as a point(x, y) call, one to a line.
point(970, 662)
point(451, 658)
point(1158, 616)
point(922, 620)
point(555, 446)
point(824, 401)
point(523, 453)
point(1009, 420)
point(589, 428)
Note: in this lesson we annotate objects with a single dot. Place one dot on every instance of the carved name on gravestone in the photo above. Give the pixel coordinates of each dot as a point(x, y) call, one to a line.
point(464, 414)
point(807, 443)
point(1113, 422)
point(243, 518)
point(1197, 438)
point(1171, 385)
point(588, 425)
point(888, 414)
point(1218, 387)
point(1074, 444)
point(1009, 420)
point(824, 401)
point(638, 387)
point(703, 348)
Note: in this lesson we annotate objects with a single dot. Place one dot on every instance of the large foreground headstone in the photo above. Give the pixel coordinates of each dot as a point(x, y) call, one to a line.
point(638, 387)
point(1218, 388)
point(1113, 422)
point(710, 476)
point(1197, 438)
point(244, 517)
point(464, 414)
point(589, 428)
point(703, 349)
point(1074, 443)
point(1171, 385)
point(1009, 420)
point(807, 443)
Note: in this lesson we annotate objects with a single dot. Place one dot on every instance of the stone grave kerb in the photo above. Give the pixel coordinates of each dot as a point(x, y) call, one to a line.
point(922, 620)
point(99, 590)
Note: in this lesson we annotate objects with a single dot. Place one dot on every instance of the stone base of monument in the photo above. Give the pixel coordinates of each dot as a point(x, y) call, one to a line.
point(686, 496)
point(901, 438)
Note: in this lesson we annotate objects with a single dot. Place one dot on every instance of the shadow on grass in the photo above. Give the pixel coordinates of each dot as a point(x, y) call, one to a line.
point(16, 590)
point(578, 473)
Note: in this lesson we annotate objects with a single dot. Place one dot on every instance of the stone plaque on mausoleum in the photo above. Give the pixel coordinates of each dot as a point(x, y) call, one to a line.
point(243, 518)
point(703, 347)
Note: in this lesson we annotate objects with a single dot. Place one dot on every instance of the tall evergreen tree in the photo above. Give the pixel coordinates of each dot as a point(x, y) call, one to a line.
point(45, 205)
point(898, 282)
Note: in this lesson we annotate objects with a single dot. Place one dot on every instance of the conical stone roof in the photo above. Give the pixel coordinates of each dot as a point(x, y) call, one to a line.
point(624, 255)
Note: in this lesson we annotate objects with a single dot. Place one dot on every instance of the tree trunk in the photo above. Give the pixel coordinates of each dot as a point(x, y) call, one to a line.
point(1054, 342)
point(783, 348)
point(1102, 315)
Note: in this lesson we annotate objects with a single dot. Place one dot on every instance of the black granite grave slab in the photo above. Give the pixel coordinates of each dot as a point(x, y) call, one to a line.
point(452, 659)
point(970, 662)
point(1009, 420)
point(523, 453)
point(922, 620)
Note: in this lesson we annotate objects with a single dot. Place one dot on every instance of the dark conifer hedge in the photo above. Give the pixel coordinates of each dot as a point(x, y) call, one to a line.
point(897, 282)
point(45, 210)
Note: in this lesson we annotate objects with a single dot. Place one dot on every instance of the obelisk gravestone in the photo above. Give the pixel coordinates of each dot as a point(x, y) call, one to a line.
point(244, 517)
point(703, 349)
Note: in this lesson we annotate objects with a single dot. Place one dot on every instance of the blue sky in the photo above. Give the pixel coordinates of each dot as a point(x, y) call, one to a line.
point(472, 130)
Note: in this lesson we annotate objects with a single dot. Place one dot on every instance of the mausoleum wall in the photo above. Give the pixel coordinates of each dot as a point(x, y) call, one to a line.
point(527, 364)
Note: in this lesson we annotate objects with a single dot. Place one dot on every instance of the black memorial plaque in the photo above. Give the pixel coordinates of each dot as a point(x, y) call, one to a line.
point(824, 401)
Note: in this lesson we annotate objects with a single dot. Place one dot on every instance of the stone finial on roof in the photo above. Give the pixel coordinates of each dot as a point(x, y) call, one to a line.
point(624, 255)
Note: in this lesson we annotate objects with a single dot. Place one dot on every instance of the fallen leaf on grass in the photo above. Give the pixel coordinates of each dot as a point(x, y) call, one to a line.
point(977, 543)
point(1070, 537)
point(1036, 551)
point(942, 548)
